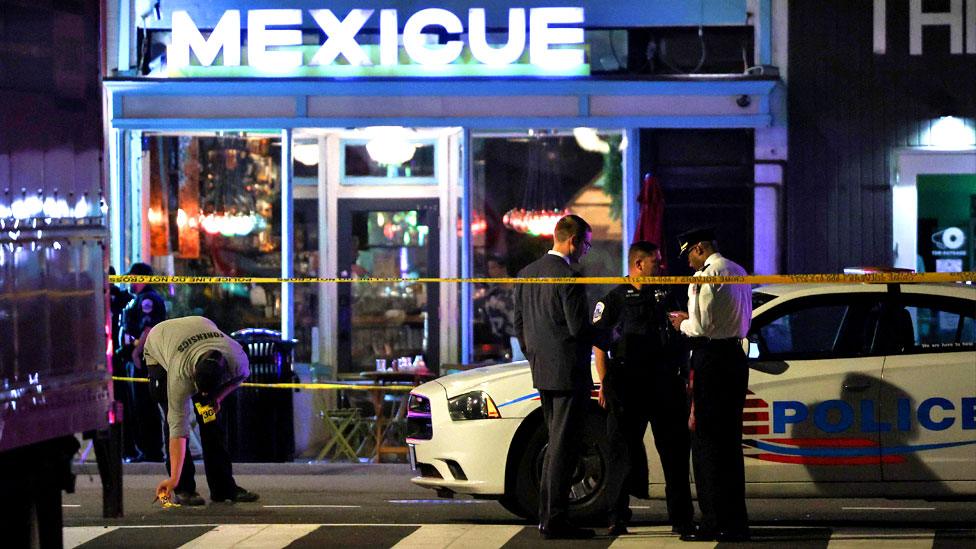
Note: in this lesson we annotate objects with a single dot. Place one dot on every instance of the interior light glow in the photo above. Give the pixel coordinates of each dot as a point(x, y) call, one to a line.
point(949, 132)
point(390, 145)
point(543, 36)
point(226, 36)
point(306, 153)
point(341, 37)
point(589, 140)
point(478, 40)
point(533, 222)
point(260, 38)
point(414, 38)
point(230, 224)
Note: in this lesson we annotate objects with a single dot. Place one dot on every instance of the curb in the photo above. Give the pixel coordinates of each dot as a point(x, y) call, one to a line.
point(289, 468)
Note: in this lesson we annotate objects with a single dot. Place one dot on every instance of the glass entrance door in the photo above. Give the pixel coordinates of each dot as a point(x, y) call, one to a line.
point(391, 322)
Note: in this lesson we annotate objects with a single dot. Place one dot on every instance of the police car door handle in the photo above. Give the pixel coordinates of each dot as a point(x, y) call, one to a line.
point(856, 387)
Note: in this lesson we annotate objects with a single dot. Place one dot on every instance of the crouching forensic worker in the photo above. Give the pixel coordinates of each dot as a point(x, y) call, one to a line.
point(193, 366)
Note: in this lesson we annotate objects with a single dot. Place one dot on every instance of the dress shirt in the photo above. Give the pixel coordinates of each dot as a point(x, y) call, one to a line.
point(718, 311)
point(565, 258)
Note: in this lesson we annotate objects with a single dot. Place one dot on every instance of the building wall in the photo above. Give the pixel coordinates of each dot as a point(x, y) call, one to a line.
point(850, 109)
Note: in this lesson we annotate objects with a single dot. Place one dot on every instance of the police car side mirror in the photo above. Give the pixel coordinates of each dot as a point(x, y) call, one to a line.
point(772, 367)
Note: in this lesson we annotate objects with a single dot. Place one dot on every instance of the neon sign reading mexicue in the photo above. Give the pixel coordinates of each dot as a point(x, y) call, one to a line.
point(553, 36)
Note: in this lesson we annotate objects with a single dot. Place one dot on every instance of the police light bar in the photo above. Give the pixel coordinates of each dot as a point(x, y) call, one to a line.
point(875, 270)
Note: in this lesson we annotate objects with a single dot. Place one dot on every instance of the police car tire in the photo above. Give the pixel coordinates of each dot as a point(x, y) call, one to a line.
point(595, 500)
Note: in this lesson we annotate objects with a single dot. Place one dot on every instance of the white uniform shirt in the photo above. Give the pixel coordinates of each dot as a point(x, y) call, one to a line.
point(177, 345)
point(718, 311)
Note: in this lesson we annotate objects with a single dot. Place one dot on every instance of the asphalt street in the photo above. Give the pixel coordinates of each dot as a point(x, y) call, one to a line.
point(370, 505)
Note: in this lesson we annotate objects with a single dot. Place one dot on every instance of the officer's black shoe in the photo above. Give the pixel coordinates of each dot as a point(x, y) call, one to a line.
point(683, 529)
point(617, 529)
point(240, 495)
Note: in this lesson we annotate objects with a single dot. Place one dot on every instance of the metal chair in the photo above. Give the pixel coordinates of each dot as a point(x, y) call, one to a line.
point(348, 433)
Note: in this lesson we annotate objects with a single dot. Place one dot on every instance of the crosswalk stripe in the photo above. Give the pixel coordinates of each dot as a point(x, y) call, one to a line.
point(851, 538)
point(653, 536)
point(466, 536)
point(251, 535)
point(484, 536)
point(75, 536)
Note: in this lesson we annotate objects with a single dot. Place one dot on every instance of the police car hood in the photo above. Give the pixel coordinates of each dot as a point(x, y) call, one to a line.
point(485, 377)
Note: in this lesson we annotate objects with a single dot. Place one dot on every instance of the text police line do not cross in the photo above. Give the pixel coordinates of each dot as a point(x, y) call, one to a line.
point(547, 27)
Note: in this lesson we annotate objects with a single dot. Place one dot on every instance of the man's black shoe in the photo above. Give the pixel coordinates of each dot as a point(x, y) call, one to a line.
point(681, 530)
point(566, 532)
point(617, 529)
point(697, 534)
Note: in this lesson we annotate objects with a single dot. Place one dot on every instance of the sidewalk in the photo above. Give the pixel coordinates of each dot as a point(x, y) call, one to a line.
point(288, 468)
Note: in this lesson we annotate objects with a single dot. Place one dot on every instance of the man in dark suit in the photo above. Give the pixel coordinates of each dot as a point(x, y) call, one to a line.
point(552, 323)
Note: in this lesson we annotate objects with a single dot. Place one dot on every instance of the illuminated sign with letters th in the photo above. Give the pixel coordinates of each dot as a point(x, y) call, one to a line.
point(540, 42)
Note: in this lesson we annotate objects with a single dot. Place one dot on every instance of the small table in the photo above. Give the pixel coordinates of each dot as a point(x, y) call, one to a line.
point(399, 414)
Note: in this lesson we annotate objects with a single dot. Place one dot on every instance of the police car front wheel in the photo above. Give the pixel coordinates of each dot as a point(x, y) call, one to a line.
point(588, 498)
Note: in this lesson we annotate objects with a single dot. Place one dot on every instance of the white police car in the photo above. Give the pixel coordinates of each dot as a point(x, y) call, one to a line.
point(860, 390)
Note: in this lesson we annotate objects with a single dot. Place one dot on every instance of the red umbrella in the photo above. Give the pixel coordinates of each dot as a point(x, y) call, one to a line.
point(650, 218)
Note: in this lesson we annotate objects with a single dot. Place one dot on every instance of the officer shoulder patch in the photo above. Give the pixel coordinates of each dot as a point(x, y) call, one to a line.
point(147, 306)
point(598, 311)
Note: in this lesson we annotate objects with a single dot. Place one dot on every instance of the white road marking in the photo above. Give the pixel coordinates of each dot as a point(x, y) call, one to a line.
point(467, 536)
point(70, 505)
point(850, 538)
point(311, 506)
point(251, 535)
point(888, 508)
point(77, 535)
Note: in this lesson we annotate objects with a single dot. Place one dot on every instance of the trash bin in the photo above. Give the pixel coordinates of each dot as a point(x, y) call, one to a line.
point(259, 422)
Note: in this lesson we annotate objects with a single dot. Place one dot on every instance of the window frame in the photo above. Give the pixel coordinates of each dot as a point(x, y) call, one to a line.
point(359, 180)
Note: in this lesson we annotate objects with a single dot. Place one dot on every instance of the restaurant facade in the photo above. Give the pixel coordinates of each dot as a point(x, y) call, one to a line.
point(302, 139)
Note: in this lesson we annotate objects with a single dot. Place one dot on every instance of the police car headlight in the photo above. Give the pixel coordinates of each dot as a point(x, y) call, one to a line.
point(473, 405)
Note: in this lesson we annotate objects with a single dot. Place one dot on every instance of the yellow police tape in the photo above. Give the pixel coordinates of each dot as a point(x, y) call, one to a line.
point(310, 386)
point(751, 279)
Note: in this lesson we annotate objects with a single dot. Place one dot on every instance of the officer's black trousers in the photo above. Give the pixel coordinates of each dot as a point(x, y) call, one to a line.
point(216, 460)
point(721, 378)
point(564, 413)
point(632, 403)
point(141, 418)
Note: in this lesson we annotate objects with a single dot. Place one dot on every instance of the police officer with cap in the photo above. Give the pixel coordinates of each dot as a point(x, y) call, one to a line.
point(639, 359)
point(717, 320)
point(141, 422)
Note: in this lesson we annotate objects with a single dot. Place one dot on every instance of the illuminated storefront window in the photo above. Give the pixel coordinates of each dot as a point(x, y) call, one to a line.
point(539, 176)
point(213, 209)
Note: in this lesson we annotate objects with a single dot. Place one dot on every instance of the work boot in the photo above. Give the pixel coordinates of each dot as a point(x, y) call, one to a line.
point(191, 499)
point(240, 495)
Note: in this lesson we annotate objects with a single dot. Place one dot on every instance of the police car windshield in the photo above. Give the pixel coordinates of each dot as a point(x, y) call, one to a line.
point(759, 299)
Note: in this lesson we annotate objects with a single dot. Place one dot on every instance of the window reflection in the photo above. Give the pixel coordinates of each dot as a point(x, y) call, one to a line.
point(214, 210)
point(516, 171)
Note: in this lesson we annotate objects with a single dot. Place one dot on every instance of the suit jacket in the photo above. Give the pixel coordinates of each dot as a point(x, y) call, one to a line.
point(552, 323)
